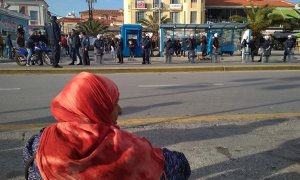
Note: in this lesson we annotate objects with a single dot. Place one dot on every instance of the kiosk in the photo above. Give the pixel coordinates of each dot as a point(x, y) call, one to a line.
point(131, 32)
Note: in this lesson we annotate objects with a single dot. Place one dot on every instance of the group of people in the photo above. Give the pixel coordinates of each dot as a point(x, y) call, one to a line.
point(265, 48)
point(191, 45)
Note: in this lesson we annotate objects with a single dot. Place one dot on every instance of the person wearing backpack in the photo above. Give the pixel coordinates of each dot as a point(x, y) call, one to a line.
point(85, 43)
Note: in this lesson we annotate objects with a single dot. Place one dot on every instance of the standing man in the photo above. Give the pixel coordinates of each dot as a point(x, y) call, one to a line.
point(20, 36)
point(53, 32)
point(99, 46)
point(85, 43)
point(8, 46)
point(191, 45)
point(131, 48)
point(267, 48)
point(252, 46)
point(1, 46)
point(289, 44)
point(119, 47)
point(214, 48)
point(75, 47)
point(169, 47)
point(144, 45)
point(149, 49)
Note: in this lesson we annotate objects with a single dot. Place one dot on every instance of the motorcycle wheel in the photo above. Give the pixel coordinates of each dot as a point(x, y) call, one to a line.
point(21, 60)
point(47, 60)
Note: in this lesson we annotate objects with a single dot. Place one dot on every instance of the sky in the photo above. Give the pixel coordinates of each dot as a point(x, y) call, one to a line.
point(63, 7)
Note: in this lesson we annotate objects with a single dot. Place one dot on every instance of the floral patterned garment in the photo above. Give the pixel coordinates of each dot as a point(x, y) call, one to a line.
point(176, 165)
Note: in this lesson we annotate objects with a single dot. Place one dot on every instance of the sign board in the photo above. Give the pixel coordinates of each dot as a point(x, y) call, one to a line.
point(140, 4)
point(175, 6)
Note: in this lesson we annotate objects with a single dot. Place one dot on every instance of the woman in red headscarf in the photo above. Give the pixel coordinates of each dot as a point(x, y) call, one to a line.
point(87, 143)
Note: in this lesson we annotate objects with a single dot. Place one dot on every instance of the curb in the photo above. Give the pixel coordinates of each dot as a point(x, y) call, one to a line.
point(149, 69)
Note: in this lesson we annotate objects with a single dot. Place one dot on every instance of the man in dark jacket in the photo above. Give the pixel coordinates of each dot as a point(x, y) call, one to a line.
point(289, 44)
point(169, 49)
point(85, 43)
point(119, 47)
point(99, 46)
point(252, 46)
point(75, 47)
point(145, 44)
point(191, 45)
point(215, 45)
point(53, 32)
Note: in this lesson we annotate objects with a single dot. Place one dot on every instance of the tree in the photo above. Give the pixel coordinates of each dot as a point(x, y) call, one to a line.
point(92, 28)
point(152, 24)
point(259, 18)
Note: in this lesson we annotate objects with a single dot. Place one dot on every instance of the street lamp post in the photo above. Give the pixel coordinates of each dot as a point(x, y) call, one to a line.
point(160, 30)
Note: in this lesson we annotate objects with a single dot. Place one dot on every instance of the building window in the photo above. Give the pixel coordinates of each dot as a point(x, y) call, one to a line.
point(156, 3)
point(140, 16)
point(175, 18)
point(193, 17)
point(70, 27)
point(174, 2)
point(156, 14)
point(22, 10)
point(34, 15)
point(193, 1)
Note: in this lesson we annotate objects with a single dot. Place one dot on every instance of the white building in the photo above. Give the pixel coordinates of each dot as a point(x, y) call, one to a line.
point(37, 10)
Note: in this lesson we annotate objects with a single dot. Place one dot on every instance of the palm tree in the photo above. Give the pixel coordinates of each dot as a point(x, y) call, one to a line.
point(92, 28)
point(90, 4)
point(152, 24)
point(259, 18)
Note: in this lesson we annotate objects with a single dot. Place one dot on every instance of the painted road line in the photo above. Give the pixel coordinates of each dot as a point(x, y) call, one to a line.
point(148, 121)
point(11, 149)
point(9, 89)
point(174, 85)
point(159, 85)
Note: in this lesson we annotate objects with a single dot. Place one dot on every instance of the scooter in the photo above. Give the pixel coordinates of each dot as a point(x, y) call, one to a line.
point(40, 50)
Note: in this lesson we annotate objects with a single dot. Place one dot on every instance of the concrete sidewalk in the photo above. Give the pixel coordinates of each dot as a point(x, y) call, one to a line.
point(179, 64)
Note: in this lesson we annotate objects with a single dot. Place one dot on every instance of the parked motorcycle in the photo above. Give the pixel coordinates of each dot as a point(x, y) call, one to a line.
point(40, 50)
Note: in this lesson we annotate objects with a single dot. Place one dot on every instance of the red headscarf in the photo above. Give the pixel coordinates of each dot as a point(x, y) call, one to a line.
point(85, 144)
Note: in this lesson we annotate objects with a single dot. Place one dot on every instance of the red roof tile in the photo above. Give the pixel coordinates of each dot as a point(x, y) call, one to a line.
point(105, 11)
point(274, 3)
point(67, 19)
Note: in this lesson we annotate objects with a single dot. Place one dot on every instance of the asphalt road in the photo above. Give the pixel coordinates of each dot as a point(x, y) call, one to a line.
point(230, 125)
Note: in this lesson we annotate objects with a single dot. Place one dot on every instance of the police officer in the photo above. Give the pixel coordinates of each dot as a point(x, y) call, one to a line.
point(289, 44)
point(191, 45)
point(144, 45)
point(53, 32)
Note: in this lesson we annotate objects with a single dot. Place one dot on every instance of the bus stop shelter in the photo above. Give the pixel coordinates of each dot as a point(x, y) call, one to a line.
point(231, 34)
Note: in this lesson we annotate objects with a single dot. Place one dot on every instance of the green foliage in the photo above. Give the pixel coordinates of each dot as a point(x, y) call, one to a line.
point(92, 28)
point(152, 24)
point(259, 18)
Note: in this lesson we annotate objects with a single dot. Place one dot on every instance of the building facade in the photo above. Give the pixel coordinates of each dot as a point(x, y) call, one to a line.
point(105, 16)
point(9, 22)
point(179, 11)
point(68, 23)
point(37, 10)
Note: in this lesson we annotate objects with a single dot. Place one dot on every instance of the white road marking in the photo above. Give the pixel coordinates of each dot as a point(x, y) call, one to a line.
point(10, 89)
point(174, 85)
point(218, 84)
point(11, 149)
point(159, 85)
